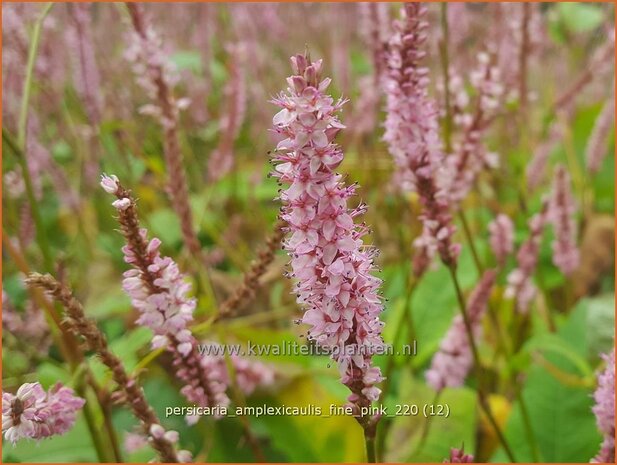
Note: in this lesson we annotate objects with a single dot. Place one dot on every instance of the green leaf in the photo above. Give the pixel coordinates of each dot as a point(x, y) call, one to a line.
point(188, 60)
point(560, 414)
point(600, 324)
point(164, 224)
point(306, 438)
point(443, 432)
point(579, 17)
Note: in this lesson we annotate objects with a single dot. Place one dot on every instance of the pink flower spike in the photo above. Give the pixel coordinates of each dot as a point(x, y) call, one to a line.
point(332, 266)
point(501, 238)
point(604, 410)
point(562, 215)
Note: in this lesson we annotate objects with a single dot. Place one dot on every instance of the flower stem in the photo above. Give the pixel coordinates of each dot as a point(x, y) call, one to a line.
point(445, 65)
point(474, 350)
point(371, 456)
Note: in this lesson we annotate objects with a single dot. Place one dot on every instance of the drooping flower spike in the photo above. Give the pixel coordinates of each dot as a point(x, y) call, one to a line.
point(562, 215)
point(412, 135)
point(132, 393)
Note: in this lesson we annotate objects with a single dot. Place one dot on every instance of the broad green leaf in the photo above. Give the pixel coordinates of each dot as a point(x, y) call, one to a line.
point(561, 419)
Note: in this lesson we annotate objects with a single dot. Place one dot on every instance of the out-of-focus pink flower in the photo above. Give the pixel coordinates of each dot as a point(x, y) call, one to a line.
point(470, 155)
point(33, 413)
point(597, 149)
point(412, 134)
point(454, 359)
point(328, 258)
point(222, 159)
point(29, 326)
point(536, 168)
point(501, 238)
point(134, 442)
point(604, 410)
point(562, 215)
point(520, 284)
point(86, 75)
point(459, 456)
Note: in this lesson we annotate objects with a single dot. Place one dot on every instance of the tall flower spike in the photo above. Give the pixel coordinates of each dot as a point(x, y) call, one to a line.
point(470, 155)
point(33, 413)
point(501, 238)
point(454, 359)
point(222, 159)
point(412, 134)
point(596, 149)
point(157, 75)
point(328, 258)
point(604, 410)
point(520, 280)
point(536, 168)
point(562, 215)
point(160, 293)
point(162, 441)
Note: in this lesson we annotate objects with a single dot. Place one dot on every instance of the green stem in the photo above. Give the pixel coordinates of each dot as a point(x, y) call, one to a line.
point(371, 456)
point(474, 350)
point(91, 423)
point(41, 237)
point(445, 65)
point(25, 100)
point(531, 439)
point(472, 247)
point(427, 426)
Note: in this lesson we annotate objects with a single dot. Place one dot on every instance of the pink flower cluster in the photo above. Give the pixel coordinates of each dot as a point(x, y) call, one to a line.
point(470, 155)
point(562, 215)
point(222, 159)
point(536, 168)
point(520, 285)
point(151, 67)
point(459, 456)
point(501, 237)
point(604, 410)
point(412, 135)
point(328, 258)
point(454, 359)
point(33, 413)
point(596, 149)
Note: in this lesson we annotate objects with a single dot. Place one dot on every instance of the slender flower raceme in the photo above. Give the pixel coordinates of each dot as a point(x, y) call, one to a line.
point(35, 413)
point(562, 215)
point(157, 75)
point(470, 155)
point(536, 168)
point(162, 441)
point(452, 363)
point(85, 71)
point(596, 149)
point(222, 159)
point(501, 238)
point(328, 258)
point(604, 410)
point(412, 134)
point(520, 284)
point(160, 293)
